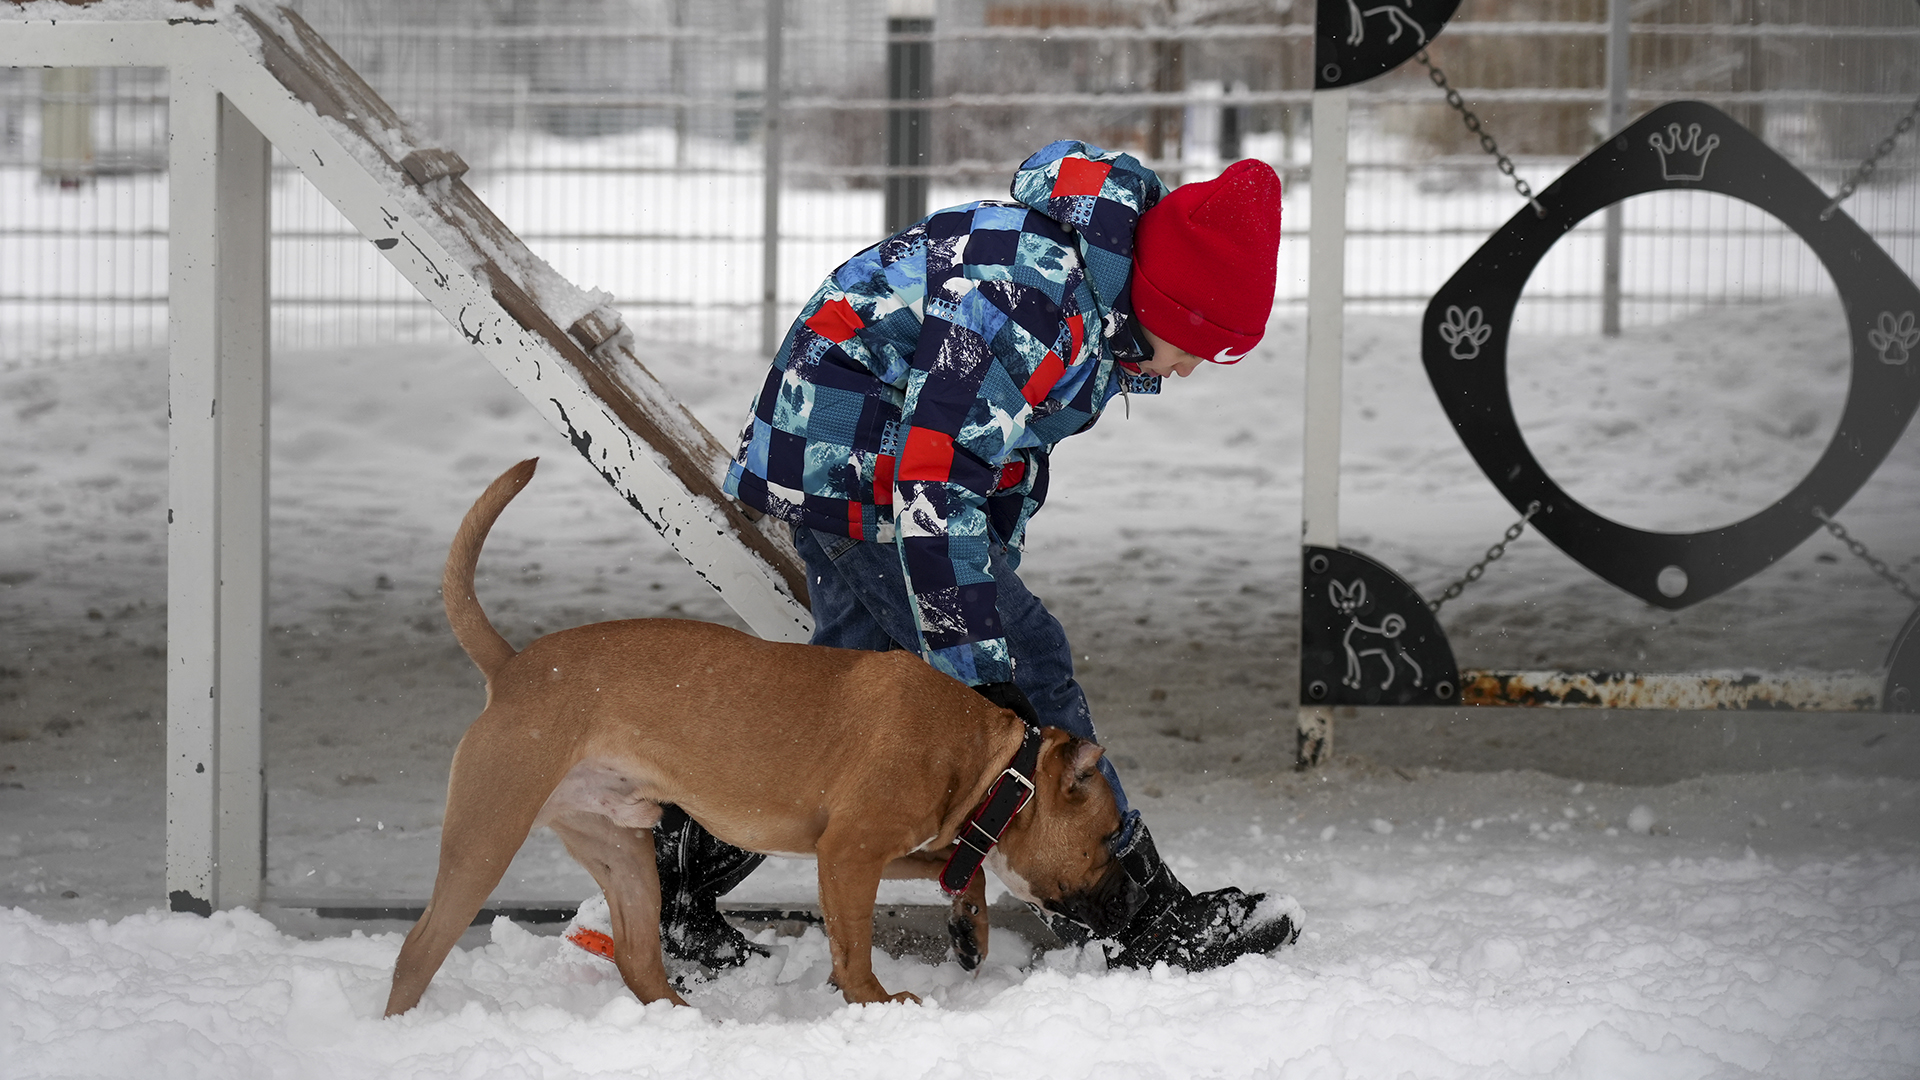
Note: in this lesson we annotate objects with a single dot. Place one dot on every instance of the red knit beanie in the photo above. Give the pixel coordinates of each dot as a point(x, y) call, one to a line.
point(1204, 262)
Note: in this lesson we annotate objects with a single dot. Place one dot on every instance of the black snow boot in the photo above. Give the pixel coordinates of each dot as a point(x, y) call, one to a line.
point(1188, 930)
point(696, 869)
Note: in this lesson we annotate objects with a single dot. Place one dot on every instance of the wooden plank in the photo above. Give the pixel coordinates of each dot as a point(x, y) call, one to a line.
point(472, 268)
point(307, 67)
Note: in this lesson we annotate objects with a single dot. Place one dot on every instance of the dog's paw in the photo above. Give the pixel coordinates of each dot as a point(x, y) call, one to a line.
point(967, 927)
point(962, 935)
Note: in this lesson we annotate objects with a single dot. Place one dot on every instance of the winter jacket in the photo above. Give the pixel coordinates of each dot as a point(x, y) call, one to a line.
point(918, 395)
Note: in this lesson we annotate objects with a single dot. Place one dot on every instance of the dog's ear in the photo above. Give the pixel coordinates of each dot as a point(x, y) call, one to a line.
point(1082, 764)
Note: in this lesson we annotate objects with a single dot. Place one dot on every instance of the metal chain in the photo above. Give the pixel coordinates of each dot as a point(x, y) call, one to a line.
point(1866, 167)
point(1493, 555)
point(1877, 564)
point(1474, 125)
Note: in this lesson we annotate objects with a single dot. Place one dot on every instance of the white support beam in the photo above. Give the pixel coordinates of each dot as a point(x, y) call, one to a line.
point(1326, 343)
point(193, 493)
point(242, 201)
point(216, 496)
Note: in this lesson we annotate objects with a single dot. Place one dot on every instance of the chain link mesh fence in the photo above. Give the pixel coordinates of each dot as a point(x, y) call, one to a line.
point(623, 140)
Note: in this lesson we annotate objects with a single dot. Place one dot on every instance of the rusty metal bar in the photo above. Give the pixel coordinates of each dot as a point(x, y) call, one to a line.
point(1821, 691)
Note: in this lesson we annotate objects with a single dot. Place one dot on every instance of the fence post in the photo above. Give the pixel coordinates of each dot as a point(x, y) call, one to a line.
point(216, 497)
point(1619, 15)
point(909, 138)
point(193, 450)
point(1326, 305)
point(770, 205)
point(66, 125)
point(1166, 123)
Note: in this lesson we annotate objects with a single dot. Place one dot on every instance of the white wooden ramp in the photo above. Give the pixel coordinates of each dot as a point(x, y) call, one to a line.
point(242, 78)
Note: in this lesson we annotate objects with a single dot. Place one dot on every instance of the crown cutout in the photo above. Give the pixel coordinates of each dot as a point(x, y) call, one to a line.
point(1683, 156)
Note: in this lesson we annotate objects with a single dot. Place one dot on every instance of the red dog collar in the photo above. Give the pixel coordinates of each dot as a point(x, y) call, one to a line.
point(990, 819)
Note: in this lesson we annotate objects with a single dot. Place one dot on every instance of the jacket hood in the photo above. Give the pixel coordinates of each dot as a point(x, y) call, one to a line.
point(1099, 195)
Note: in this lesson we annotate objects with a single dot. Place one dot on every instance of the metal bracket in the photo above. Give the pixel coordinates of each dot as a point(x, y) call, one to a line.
point(1367, 638)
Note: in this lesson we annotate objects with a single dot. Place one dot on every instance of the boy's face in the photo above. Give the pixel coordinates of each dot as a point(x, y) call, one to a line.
point(1167, 359)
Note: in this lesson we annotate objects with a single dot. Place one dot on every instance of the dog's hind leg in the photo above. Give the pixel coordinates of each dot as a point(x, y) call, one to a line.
point(493, 797)
point(622, 861)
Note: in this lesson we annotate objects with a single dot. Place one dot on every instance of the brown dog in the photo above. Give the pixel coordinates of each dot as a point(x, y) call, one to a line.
point(870, 762)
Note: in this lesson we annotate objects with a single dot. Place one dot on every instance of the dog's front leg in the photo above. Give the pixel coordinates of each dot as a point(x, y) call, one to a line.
point(967, 922)
point(849, 883)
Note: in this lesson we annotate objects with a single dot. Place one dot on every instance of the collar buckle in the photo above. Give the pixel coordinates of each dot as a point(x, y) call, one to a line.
point(991, 818)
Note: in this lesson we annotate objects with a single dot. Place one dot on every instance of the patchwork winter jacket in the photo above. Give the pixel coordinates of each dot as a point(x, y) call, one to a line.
point(918, 395)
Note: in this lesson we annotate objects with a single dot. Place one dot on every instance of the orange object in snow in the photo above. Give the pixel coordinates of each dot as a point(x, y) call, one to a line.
point(593, 941)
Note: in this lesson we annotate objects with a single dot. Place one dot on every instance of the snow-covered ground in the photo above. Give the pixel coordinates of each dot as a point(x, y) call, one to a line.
point(1514, 894)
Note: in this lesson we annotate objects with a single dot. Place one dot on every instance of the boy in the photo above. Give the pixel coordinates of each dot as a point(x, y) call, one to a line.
point(904, 431)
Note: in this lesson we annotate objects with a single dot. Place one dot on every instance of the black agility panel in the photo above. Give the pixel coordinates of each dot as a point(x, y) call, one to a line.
point(1366, 637)
point(1682, 146)
point(1355, 40)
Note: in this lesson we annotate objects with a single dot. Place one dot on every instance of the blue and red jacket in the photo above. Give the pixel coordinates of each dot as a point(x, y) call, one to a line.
point(918, 395)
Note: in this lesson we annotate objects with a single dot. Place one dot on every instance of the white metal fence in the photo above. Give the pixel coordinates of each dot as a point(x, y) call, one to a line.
point(626, 143)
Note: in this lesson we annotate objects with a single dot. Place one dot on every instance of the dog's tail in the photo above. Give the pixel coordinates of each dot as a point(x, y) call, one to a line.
point(476, 634)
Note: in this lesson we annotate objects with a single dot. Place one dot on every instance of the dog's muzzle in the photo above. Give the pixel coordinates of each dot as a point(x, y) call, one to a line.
point(1107, 907)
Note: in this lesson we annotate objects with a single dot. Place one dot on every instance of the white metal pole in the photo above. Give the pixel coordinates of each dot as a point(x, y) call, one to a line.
point(1326, 303)
point(193, 497)
point(770, 206)
point(242, 197)
point(1619, 20)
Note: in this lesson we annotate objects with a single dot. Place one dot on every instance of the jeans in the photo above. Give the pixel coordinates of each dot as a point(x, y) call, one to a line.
point(860, 601)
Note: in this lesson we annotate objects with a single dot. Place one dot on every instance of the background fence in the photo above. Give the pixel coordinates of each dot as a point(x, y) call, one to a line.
point(626, 141)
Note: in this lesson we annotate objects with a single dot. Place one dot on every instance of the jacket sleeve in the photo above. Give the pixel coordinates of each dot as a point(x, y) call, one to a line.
point(942, 483)
point(1012, 314)
point(994, 343)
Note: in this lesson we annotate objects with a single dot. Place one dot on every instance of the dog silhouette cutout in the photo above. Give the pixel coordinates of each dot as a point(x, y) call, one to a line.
point(1381, 640)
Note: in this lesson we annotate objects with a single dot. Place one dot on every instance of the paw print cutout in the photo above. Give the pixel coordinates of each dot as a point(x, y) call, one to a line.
point(1895, 339)
point(1465, 332)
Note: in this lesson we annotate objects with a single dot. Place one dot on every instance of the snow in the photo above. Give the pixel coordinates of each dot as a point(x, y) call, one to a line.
point(1467, 921)
point(1477, 948)
point(1507, 894)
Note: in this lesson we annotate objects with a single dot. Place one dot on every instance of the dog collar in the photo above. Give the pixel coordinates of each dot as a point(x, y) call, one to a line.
point(990, 819)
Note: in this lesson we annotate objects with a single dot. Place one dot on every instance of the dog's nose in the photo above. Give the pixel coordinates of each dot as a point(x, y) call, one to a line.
point(1108, 907)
